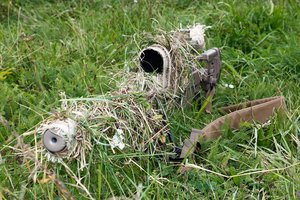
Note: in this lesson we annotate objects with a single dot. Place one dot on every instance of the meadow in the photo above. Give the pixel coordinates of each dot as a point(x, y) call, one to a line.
point(53, 46)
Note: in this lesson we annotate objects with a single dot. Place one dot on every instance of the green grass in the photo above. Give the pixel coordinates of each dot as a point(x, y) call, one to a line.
point(75, 46)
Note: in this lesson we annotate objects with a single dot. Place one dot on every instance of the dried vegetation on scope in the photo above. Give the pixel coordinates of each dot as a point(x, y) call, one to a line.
point(80, 47)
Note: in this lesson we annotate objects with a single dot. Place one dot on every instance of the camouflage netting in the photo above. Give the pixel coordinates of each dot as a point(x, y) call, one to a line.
point(133, 117)
point(123, 120)
point(180, 51)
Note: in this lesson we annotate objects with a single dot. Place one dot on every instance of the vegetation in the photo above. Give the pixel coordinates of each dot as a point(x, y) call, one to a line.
point(47, 47)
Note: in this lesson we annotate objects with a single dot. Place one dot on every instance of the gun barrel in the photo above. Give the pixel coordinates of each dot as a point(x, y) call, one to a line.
point(53, 142)
point(58, 135)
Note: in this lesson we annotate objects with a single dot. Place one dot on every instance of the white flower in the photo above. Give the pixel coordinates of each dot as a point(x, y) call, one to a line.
point(266, 124)
point(117, 140)
point(139, 191)
point(229, 86)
